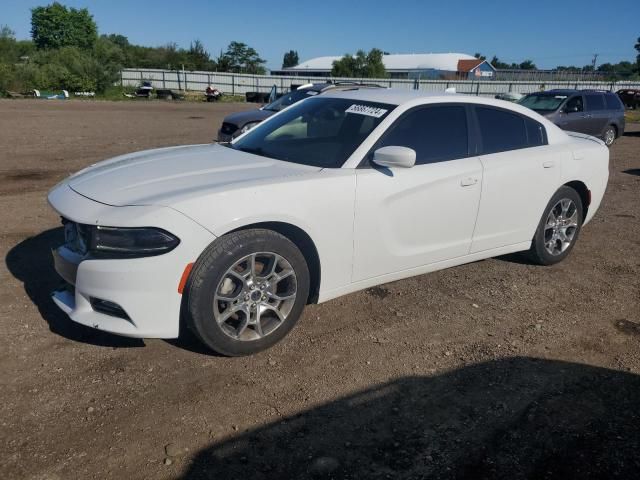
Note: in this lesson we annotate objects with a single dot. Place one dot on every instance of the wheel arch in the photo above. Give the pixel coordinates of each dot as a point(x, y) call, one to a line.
point(584, 192)
point(304, 242)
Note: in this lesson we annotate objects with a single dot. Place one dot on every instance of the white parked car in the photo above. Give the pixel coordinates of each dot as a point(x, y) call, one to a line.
point(334, 194)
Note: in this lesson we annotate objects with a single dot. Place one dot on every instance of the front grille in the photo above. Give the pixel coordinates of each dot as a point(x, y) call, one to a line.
point(228, 128)
point(77, 236)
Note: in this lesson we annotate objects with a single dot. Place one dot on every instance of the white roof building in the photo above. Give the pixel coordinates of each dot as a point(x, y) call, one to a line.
point(395, 64)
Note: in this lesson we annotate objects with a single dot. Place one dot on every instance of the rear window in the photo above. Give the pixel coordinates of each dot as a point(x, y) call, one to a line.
point(612, 102)
point(595, 101)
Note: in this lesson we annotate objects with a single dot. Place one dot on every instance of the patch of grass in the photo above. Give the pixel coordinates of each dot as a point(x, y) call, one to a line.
point(632, 115)
point(232, 98)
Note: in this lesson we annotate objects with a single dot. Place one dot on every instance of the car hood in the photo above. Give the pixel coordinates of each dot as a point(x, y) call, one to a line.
point(239, 119)
point(164, 176)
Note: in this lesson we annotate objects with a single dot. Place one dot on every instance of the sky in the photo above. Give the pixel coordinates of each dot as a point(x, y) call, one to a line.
point(551, 33)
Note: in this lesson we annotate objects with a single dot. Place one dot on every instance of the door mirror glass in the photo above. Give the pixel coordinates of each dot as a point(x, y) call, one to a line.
point(393, 156)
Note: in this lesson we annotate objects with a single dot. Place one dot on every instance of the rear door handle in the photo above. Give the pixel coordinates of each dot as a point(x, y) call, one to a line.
point(549, 164)
point(467, 182)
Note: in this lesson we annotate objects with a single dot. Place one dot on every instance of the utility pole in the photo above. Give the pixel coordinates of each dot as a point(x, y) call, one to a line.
point(593, 62)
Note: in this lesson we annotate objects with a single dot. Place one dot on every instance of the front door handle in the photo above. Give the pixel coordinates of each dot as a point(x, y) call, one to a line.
point(549, 164)
point(467, 182)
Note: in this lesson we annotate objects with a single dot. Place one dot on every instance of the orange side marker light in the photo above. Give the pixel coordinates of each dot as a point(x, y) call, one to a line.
point(184, 278)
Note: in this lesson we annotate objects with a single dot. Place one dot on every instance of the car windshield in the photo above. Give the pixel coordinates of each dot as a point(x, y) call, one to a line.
point(320, 132)
point(288, 99)
point(543, 103)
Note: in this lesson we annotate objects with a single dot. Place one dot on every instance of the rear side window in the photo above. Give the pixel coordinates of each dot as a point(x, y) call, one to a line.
point(501, 131)
point(613, 102)
point(536, 134)
point(437, 133)
point(595, 101)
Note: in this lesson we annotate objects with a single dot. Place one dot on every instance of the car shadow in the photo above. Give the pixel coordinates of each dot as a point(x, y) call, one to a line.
point(519, 258)
point(632, 134)
point(513, 418)
point(632, 171)
point(30, 262)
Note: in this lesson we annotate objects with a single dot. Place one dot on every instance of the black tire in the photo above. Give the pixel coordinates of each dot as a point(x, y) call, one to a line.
point(610, 134)
point(209, 272)
point(538, 252)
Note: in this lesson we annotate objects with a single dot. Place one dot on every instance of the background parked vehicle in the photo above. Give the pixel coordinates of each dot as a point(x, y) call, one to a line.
point(237, 123)
point(629, 97)
point(596, 113)
point(509, 96)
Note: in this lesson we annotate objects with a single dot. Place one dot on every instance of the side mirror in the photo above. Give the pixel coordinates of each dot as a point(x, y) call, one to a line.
point(393, 156)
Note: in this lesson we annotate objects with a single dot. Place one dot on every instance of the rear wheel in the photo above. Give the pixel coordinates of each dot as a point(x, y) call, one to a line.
point(247, 291)
point(558, 229)
point(609, 136)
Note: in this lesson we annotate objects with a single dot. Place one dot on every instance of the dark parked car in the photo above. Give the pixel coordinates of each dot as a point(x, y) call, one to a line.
point(630, 97)
point(593, 112)
point(237, 123)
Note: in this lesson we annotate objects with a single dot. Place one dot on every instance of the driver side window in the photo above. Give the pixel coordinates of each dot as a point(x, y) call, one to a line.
point(436, 133)
point(574, 105)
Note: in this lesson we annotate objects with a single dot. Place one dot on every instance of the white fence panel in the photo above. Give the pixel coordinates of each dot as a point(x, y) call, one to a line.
point(240, 84)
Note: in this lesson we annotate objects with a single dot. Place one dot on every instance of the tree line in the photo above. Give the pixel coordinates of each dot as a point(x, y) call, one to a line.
point(66, 51)
point(614, 71)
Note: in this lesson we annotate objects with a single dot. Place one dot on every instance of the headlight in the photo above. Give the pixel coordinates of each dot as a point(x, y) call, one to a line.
point(131, 242)
point(248, 127)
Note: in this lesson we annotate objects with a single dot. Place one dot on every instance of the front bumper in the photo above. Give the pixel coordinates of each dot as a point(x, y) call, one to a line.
point(225, 137)
point(146, 289)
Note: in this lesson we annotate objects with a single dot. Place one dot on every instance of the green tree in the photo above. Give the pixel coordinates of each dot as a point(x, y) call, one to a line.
point(498, 64)
point(637, 47)
point(479, 56)
point(527, 65)
point(241, 58)
point(198, 57)
point(290, 59)
point(56, 26)
point(362, 65)
point(110, 59)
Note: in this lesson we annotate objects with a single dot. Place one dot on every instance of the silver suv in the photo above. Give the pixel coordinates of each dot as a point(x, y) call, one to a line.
point(593, 112)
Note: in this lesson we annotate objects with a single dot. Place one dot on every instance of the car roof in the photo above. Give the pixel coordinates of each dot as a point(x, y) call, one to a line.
point(391, 96)
point(558, 91)
point(321, 87)
point(316, 87)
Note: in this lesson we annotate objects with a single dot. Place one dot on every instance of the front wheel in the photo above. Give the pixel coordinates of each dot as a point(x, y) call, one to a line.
point(247, 291)
point(558, 229)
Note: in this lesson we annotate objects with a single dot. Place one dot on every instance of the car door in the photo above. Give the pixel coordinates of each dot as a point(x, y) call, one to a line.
point(597, 115)
point(573, 117)
point(409, 217)
point(521, 173)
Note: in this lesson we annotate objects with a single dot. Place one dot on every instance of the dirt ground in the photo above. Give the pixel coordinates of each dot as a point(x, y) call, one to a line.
point(497, 369)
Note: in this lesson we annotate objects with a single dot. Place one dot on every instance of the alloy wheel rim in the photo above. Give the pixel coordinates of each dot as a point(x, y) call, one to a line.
point(609, 136)
point(561, 227)
point(255, 296)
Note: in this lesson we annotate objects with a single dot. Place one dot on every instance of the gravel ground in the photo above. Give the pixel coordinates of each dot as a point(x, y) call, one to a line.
point(497, 369)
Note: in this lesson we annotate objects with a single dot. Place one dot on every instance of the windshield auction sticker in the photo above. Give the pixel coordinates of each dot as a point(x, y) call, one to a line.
point(366, 110)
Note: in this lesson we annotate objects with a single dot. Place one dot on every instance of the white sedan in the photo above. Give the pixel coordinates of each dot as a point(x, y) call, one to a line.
point(337, 193)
